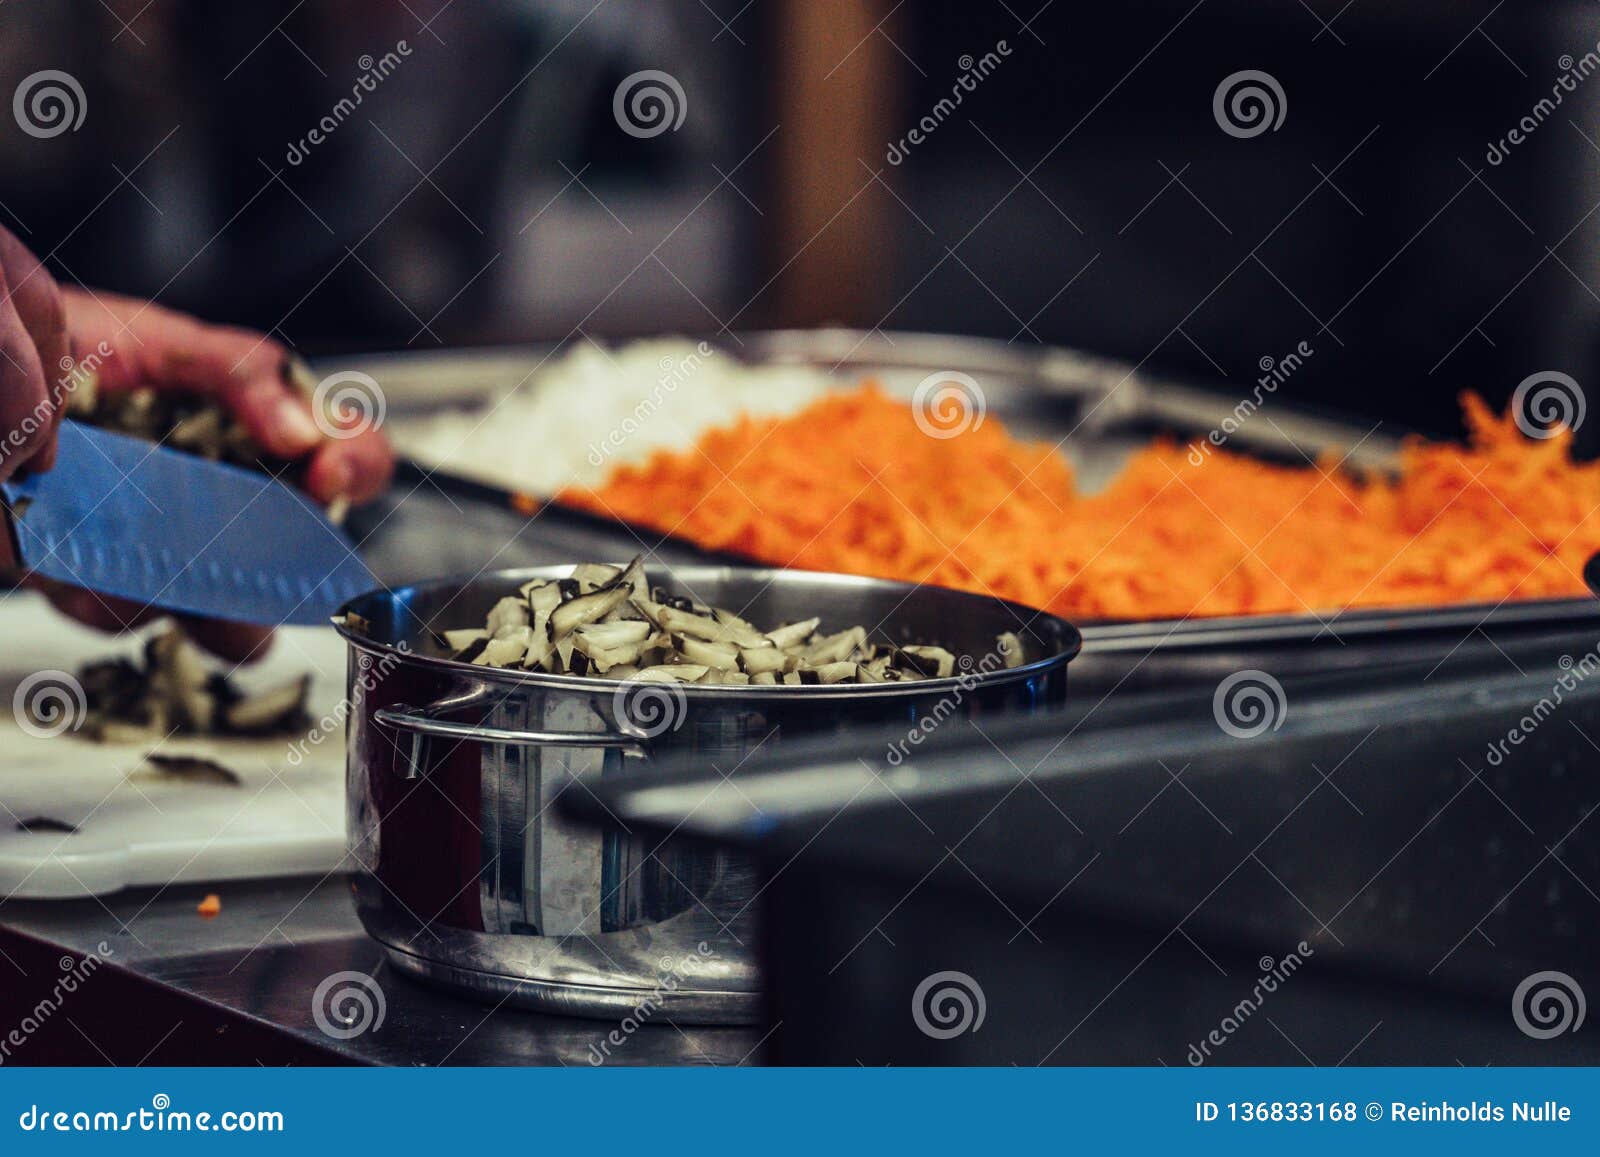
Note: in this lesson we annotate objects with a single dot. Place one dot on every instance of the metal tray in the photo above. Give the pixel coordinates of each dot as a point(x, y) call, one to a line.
point(1100, 410)
point(1111, 877)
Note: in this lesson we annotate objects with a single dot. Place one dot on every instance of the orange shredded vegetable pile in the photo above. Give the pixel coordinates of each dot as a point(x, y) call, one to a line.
point(852, 484)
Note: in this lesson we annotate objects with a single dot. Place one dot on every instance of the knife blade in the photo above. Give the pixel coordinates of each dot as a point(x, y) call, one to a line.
point(171, 530)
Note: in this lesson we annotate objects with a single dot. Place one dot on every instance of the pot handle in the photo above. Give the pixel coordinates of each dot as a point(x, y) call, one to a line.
point(423, 722)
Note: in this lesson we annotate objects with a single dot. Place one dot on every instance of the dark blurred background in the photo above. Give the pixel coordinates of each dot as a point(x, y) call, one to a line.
point(1082, 193)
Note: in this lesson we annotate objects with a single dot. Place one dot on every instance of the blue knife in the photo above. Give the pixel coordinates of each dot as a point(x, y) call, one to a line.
point(168, 529)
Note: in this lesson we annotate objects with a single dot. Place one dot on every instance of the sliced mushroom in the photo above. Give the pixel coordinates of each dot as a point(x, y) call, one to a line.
point(507, 615)
point(462, 639)
point(616, 634)
point(608, 644)
point(836, 648)
point(187, 769)
point(708, 654)
point(40, 825)
point(173, 691)
point(739, 631)
point(178, 676)
point(874, 671)
point(764, 660)
point(633, 578)
point(542, 602)
point(269, 711)
point(505, 649)
point(592, 576)
point(794, 634)
point(697, 626)
point(671, 673)
point(585, 609)
point(472, 651)
point(929, 662)
point(606, 621)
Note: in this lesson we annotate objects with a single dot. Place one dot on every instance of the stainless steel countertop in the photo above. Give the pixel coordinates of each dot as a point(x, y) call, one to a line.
point(262, 959)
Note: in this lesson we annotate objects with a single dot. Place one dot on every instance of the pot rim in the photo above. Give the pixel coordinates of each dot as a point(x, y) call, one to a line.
point(966, 680)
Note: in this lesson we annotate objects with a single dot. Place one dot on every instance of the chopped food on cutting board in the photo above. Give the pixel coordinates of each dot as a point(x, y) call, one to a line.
point(89, 818)
point(185, 769)
point(44, 825)
point(172, 690)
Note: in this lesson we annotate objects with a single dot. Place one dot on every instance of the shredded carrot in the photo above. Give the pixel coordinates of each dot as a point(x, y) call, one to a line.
point(210, 907)
point(852, 484)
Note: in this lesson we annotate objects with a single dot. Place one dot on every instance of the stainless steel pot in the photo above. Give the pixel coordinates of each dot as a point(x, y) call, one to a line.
point(469, 878)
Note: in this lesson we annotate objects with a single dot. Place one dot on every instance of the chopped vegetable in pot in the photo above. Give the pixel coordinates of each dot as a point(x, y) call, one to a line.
point(607, 622)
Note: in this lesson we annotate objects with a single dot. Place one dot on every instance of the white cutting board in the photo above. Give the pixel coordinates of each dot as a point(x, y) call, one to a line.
point(283, 819)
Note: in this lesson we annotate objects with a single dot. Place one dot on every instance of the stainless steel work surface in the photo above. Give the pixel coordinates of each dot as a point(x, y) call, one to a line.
point(244, 986)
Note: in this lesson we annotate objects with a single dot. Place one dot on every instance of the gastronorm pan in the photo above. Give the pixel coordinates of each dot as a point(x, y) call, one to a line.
point(469, 877)
point(1099, 409)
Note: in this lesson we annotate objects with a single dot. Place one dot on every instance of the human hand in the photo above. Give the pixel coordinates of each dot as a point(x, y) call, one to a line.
point(34, 353)
point(155, 348)
point(137, 345)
